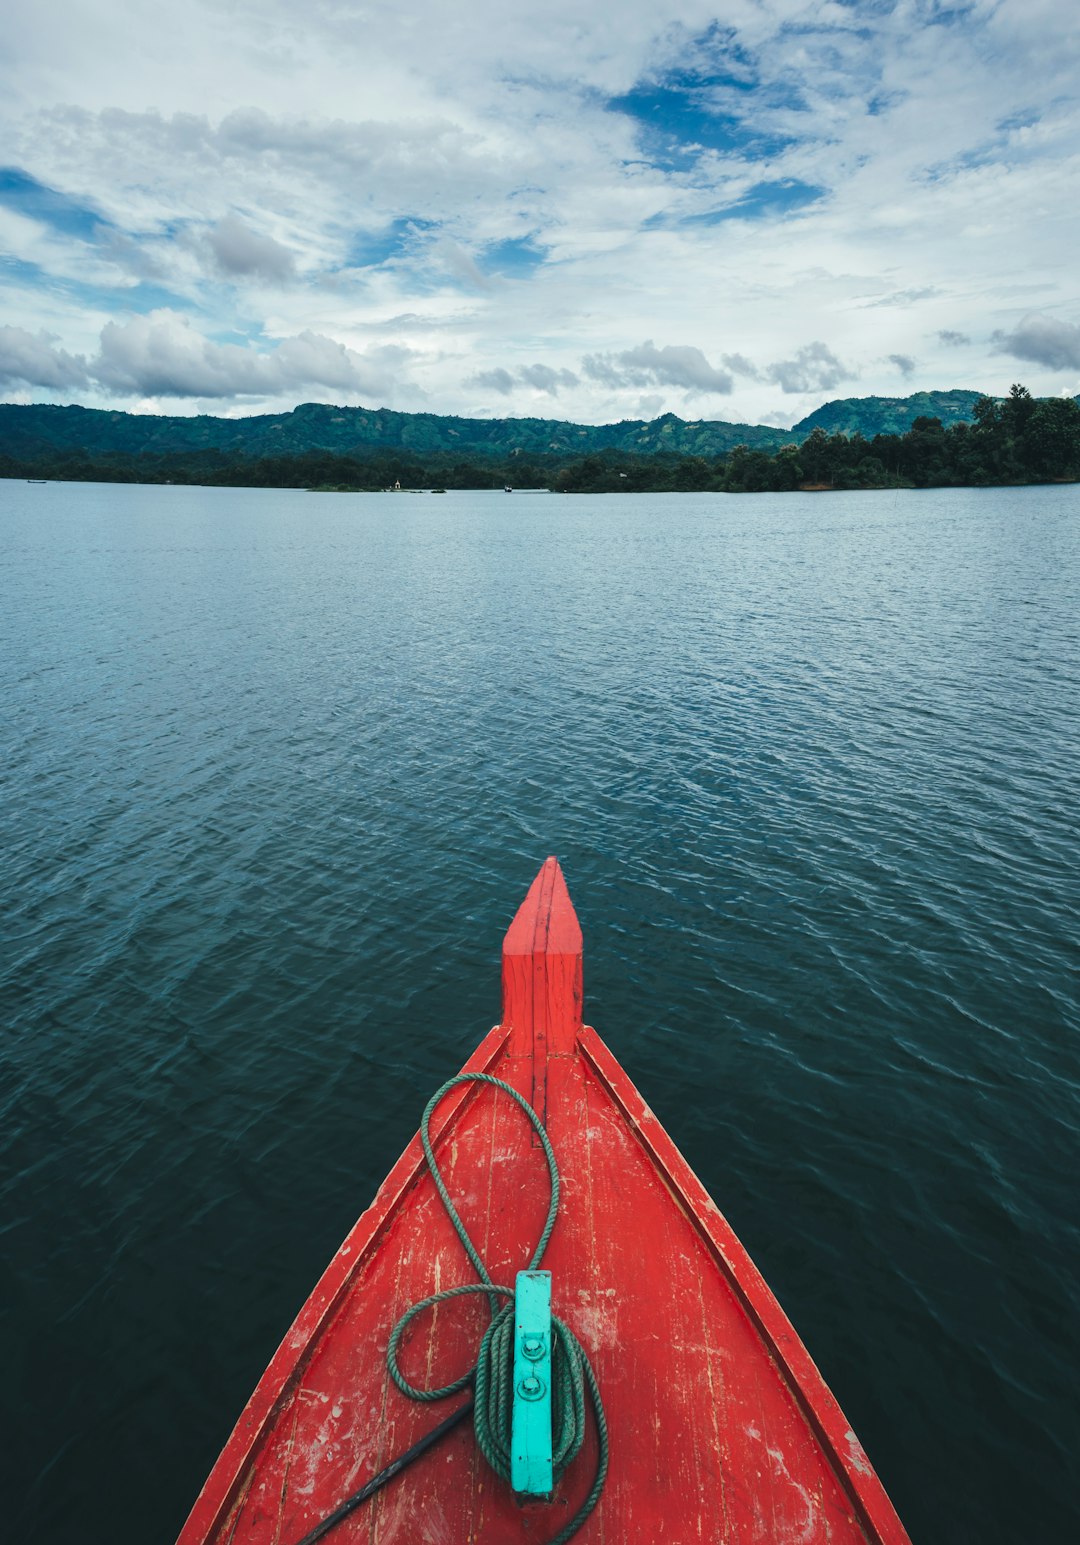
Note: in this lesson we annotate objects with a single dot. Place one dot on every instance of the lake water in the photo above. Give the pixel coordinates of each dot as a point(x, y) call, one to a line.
point(277, 770)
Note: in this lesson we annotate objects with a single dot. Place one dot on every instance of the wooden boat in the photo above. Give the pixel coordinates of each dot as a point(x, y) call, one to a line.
point(721, 1427)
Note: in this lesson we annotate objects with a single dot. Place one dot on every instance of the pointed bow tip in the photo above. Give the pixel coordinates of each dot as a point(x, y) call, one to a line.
point(542, 976)
point(546, 923)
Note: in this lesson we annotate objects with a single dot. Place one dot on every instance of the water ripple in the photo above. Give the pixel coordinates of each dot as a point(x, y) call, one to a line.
point(277, 768)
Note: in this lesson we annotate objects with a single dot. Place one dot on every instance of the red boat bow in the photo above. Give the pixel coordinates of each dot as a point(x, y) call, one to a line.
point(722, 1428)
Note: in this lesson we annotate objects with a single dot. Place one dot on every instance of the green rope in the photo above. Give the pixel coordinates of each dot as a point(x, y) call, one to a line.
point(492, 1377)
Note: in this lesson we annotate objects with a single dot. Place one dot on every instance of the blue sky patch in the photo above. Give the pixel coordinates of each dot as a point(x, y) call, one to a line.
point(672, 124)
point(716, 56)
point(762, 201)
point(777, 198)
point(988, 151)
point(23, 272)
point(144, 297)
point(138, 298)
point(1024, 119)
point(370, 249)
point(515, 258)
point(241, 336)
point(882, 102)
point(951, 15)
point(680, 115)
point(673, 128)
point(24, 194)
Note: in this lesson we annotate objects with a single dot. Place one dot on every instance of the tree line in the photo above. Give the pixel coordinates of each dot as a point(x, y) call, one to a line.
point(1020, 439)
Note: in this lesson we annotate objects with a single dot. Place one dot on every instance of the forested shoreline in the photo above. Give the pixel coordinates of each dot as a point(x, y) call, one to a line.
point(1019, 439)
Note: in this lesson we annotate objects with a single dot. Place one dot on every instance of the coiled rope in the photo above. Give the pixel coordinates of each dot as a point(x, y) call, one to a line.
point(492, 1374)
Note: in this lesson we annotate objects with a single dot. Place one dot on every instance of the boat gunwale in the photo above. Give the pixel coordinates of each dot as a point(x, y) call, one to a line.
point(224, 1486)
point(815, 1399)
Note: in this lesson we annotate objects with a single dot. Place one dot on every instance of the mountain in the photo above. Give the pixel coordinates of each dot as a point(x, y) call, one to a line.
point(31, 431)
point(870, 416)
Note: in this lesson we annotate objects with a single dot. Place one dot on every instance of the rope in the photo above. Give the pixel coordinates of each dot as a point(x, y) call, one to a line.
point(492, 1375)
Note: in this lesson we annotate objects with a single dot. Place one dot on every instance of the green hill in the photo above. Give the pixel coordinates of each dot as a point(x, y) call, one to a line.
point(36, 433)
point(870, 416)
point(28, 432)
point(925, 441)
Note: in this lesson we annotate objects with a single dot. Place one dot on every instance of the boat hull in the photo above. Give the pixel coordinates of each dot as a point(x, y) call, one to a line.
point(722, 1428)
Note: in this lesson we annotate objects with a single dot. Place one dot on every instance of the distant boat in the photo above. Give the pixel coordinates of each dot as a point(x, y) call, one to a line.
point(720, 1426)
point(37, 479)
point(508, 489)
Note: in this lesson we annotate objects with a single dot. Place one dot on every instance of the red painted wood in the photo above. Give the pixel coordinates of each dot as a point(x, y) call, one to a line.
point(721, 1427)
point(813, 1394)
point(542, 978)
point(231, 1473)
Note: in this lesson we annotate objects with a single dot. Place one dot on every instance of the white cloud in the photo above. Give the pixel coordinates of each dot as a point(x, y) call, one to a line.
point(241, 251)
point(29, 359)
point(514, 218)
point(497, 380)
point(680, 365)
point(1044, 340)
point(538, 377)
point(814, 368)
point(162, 355)
point(544, 379)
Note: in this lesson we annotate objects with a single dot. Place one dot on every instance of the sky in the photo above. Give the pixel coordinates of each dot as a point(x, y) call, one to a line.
point(736, 209)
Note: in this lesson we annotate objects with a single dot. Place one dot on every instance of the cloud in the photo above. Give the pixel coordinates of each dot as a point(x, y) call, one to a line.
point(33, 360)
point(815, 368)
point(539, 182)
point(602, 368)
point(129, 255)
point(649, 406)
point(541, 378)
point(904, 363)
point(241, 251)
point(544, 379)
point(1044, 340)
point(162, 355)
point(901, 298)
point(497, 380)
point(460, 265)
point(742, 366)
point(680, 365)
